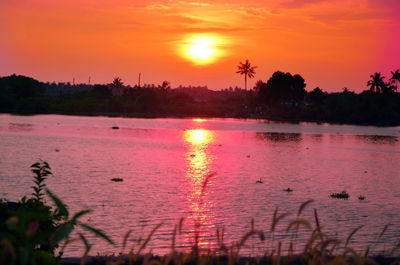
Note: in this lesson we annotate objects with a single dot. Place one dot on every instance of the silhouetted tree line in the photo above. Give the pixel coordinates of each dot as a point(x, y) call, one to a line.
point(281, 97)
point(284, 97)
point(24, 95)
point(21, 93)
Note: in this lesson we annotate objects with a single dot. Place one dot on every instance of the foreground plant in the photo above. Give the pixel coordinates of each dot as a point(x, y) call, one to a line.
point(31, 231)
point(317, 248)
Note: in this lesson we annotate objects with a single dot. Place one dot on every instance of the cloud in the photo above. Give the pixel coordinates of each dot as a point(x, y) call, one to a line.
point(299, 3)
point(198, 4)
point(249, 11)
point(156, 6)
point(334, 12)
point(216, 29)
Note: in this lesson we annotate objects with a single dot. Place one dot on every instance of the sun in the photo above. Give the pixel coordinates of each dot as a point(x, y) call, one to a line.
point(201, 49)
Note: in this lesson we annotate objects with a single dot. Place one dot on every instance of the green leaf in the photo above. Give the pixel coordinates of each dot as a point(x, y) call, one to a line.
point(37, 182)
point(63, 232)
point(78, 215)
point(36, 165)
point(47, 172)
point(11, 223)
point(24, 256)
point(98, 233)
point(40, 257)
point(62, 209)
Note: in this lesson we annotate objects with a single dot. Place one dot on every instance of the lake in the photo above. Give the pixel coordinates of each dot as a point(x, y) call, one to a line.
point(206, 171)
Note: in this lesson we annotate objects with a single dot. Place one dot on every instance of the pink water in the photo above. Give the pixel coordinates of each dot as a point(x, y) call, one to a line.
point(164, 164)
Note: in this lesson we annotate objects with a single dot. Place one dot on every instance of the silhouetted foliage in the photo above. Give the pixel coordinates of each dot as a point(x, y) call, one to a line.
point(282, 97)
point(395, 79)
point(166, 85)
point(282, 88)
point(376, 83)
point(117, 82)
point(247, 70)
point(18, 93)
point(101, 91)
point(317, 96)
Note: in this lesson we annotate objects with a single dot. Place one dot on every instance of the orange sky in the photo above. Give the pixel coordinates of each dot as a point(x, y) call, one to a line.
point(332, 44)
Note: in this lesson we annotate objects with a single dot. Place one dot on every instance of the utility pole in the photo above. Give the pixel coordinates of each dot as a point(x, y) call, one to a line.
point(139, 81)
point(89, 80)
point(73, 80)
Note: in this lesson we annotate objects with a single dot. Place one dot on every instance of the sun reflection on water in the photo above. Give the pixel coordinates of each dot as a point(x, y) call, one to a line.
point(199, 120)
point(198, 169)
point(198, 138)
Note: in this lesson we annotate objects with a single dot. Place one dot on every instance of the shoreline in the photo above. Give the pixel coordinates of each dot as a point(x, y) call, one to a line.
point(297, 259)
point(182, 116)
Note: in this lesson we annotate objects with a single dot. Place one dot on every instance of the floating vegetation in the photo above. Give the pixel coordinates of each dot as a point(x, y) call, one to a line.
point(361, 197)
point(288, 190)
point(115, 127)
point(342, 195)
point(117, 179)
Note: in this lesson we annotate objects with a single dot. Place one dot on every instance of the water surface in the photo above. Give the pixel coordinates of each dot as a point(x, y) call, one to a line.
point(164, 164)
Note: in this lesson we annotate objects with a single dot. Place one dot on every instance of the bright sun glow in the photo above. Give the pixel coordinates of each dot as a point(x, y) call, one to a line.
point(198, 137)
point(199, 120)
point(202, 48)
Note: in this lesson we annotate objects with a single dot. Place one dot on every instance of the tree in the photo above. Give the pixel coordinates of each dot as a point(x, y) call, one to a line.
point(247, 70)
point(281, 88)
point(316, 96)
point(166, 85)
point(376, 83)
point(117, 82)
point(395, 78)
point(297, 89)
point(101, 91)
point(261, 91)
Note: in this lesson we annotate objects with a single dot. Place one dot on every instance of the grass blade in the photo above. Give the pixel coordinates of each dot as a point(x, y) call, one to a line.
point(84, 240)
point(205, 182)
point(383, 231)
point(297, 223)
point(304, 205)
point(62, 209)
point(351, 235)
point(126, 239)
point(149, 237)
point(98, 233)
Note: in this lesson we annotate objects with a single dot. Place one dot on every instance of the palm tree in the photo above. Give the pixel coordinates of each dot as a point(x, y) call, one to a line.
point(395, 78)
point(376, 83)
point(117, 82)
point(247, 70)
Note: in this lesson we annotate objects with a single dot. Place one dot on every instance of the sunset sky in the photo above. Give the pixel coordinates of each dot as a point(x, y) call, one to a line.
point(332, 43)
